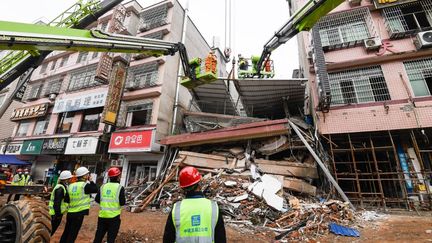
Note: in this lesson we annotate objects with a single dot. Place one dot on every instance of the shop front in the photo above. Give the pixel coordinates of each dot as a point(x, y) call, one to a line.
point(89, 152)
point(139, 156)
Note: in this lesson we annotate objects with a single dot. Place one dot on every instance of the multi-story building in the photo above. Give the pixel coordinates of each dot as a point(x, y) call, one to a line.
point(377, 68)
point(60, 122)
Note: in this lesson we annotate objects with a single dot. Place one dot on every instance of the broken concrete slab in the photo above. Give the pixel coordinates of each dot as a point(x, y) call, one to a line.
point(241, 198)
point(273, 200)
point(230, 183)
point(298, 185)
point(287, 168)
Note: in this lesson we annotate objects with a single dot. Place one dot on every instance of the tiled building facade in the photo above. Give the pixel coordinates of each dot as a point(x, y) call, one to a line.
point(378, 63)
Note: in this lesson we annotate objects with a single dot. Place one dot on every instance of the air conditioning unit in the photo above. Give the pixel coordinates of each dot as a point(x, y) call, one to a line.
point(353, 3)
point(424, 40)
point(373, 43)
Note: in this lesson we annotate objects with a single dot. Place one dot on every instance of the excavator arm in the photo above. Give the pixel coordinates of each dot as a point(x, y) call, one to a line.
point(79, 16)
point(303, 20)
point(41, 39)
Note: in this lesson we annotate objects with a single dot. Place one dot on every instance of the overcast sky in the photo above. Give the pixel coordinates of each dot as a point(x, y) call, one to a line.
point(253, 23)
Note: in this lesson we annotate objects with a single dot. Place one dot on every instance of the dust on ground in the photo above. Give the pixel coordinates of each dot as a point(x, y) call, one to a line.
point(149, 226)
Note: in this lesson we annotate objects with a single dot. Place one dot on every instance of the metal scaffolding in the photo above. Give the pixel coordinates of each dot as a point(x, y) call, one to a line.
point(368, 168)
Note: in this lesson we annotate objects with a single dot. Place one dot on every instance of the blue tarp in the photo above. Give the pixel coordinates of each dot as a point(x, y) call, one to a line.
point(12, 160)
point(342, 230)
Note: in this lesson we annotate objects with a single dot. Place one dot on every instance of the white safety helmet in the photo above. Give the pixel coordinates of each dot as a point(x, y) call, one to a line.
point(64, 175)
point(82, 171)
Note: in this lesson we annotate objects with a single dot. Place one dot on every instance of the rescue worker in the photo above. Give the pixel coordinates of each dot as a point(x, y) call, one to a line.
point(25, 178)
point(17, 177)
point(59, 200)
point(79, 205)
point(111, 197)
point(195, 218)
point(16, 181)
point(243, 63)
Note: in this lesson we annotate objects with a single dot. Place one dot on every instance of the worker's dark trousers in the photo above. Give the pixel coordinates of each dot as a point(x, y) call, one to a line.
point(72, 227)
point(111, 226)
point(55, 222)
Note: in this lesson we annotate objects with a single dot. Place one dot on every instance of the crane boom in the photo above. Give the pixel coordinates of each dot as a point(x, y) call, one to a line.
point(79, 16)
point(302, 20)
point(40, 38)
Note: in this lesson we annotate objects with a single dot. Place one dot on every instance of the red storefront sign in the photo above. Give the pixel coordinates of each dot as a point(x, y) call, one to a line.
point(136, 141)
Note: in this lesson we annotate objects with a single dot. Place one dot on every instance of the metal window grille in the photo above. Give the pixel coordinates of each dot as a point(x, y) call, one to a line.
point(43, 68)
point(64, 61)
point(156, 35)
point(408, 19)
point(420, 76)
point(142, 76)
point(83, 78)
point(358, 86)
point(154, 17)
point(95, 54)
point(82, 56)
point(53, 87)
point(53, 65)
point(34, 92)
point(346, 29)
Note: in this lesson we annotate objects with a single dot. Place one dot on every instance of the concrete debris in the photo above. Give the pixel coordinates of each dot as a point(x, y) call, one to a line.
point(241, 198)
point(230, 183)
point(371, 216)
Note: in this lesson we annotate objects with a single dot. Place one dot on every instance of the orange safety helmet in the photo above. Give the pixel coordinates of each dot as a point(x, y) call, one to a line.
point(189, 176)
point(113, 172)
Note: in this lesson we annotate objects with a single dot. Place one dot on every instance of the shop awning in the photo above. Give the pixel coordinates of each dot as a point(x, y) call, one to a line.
point(12, 160)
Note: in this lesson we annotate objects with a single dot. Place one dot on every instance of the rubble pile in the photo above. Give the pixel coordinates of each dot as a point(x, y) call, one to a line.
point(130, 236)
point(299, 218)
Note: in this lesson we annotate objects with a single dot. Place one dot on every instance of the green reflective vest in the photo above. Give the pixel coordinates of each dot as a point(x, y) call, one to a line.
point(24, 180)
point(79, 201)
point(109, 200)
point(16, 181)
point(195, 220)
point(63, 206)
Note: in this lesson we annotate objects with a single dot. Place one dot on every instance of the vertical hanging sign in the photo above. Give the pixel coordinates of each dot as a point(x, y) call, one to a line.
point(115, 93)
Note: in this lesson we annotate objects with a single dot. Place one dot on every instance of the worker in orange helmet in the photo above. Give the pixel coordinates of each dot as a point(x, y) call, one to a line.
point(195, 218)
point(111, 197)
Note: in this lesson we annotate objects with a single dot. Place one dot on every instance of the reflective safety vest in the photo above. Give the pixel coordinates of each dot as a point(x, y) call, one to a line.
point(16, 181)
point(79, 201)
point(109, 200)
point(63, 206)
point(195, 220)
point(24, 180)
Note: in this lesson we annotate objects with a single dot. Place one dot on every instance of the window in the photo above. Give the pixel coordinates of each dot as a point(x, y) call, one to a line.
point(358, 86)
point(408, 19)
point(142, 172)
point(154, 17)
point(95, 54)
point(345, 29)
point(104, 26)
point(420, 76)
point(82, 56)
point(53, 87)
point(41, 125)
point(142, 76)
point(53, 64)
point(139, 115)
point(83, 78)
point(65, 122)
point(22, 129)
point(43, 67)
point(34, 92)
point(64, 61)
point(2, 99)
point(91, 120)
